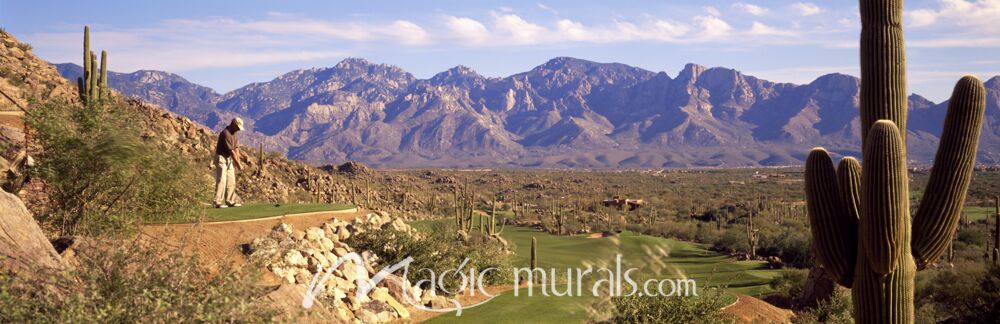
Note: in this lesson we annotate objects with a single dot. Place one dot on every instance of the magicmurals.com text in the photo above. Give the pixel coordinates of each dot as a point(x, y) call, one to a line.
point(615, 282)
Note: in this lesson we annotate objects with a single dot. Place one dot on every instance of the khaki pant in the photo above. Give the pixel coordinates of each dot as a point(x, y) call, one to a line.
point(225, 181)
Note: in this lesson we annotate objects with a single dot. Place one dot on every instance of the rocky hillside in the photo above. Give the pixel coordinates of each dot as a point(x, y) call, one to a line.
point(564, 113)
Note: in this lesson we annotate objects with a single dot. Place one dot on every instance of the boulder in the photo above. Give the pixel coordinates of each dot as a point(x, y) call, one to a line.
point(315, 234)
point(819, 287)
point(382, 294)
point(399, 288)
point(294, 258)
point(23, 245)
point(288, 297)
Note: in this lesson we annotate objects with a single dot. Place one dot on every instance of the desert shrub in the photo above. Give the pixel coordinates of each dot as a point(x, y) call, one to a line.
point(438, 251)
point(103, 177)
point(731, 241)
point(838, 310)
point(122, 282)
point(793, 246)
point(972, 236)
point(790, 283)
point(706, 308)
point(707, 233)
point(967, 293)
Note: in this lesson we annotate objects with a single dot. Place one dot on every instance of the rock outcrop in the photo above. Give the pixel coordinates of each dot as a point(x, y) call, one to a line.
point(23, 245)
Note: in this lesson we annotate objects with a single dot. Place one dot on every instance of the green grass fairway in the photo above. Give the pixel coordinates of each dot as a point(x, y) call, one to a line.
point(979, 213)
point(654, 257)
point(253, 211)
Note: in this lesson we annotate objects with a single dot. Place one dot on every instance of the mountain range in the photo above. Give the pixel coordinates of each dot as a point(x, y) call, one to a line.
point(566, 112)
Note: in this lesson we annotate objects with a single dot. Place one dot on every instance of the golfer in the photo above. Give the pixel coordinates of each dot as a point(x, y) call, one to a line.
point(227, 160)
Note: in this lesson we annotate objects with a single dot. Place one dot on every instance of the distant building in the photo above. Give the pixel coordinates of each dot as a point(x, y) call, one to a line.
point(619, 202)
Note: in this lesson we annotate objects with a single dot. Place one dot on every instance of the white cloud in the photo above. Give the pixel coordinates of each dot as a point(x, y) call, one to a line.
point(760, 29)
point(518, 30)
point(712, 27)
point(806, 8)
point(921, 17)
point(468, 29)
point(547, 8)
point(962, 13)
point(622, 31)
point(573, 31)
point(712, 11)
point(750, 8)
point(666, 29)
point(955, 24)
point(408, 33)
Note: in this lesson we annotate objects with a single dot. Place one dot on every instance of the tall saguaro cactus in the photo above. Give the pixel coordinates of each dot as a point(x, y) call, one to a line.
point(753, 235)
point(860, 216)
point(996, 232)
point(93, 85)
point(534, 253)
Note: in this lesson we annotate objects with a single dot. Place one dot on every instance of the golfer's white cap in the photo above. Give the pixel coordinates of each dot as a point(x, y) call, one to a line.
point(238, 122)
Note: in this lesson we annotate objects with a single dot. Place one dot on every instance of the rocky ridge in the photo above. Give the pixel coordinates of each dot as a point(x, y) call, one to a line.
point(566, 112)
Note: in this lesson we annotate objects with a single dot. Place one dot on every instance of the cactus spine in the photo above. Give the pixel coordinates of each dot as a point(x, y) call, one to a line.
point(860, 217)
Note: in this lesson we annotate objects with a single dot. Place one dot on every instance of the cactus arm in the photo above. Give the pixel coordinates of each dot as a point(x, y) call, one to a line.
point(942, 202)
point(102, 82)
point(885, 204)
point(85, 89)
point(849, 180)
point(92, 87)
point(883, 65)
point(832, 231)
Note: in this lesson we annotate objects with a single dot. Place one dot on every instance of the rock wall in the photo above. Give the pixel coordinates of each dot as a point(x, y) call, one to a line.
point(297, 256)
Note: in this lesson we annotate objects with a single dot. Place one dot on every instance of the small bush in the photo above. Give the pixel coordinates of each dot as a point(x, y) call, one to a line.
point(790, 283)
point(438, 252)
point(731, 241)
point(967, 293)
point(121, 282)
point(838, 310)
point(706, 308)
point(970, 235)
point(103, 177)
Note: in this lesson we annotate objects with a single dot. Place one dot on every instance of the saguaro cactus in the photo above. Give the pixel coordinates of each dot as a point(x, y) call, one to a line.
point(753, 236)
point(534, 253)
point(94, 83)
point(860, 217)
point(996, 232)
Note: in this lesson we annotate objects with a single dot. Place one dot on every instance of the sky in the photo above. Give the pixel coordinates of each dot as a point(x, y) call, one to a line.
point(228, 44)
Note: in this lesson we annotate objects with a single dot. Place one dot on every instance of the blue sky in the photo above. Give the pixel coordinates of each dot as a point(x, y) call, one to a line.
point(227, 44)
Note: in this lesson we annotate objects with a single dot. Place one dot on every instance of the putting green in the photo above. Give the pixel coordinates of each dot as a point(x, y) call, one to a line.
point(655, 258)
point(979, 213)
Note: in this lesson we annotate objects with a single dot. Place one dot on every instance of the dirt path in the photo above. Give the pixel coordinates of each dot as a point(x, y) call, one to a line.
point(748, 309)
point(221, 242)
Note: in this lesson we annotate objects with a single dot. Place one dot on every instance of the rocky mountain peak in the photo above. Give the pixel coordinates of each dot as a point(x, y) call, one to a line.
point(459, 74)
point(691, 72)
point(836, 81)
point(993, 83)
